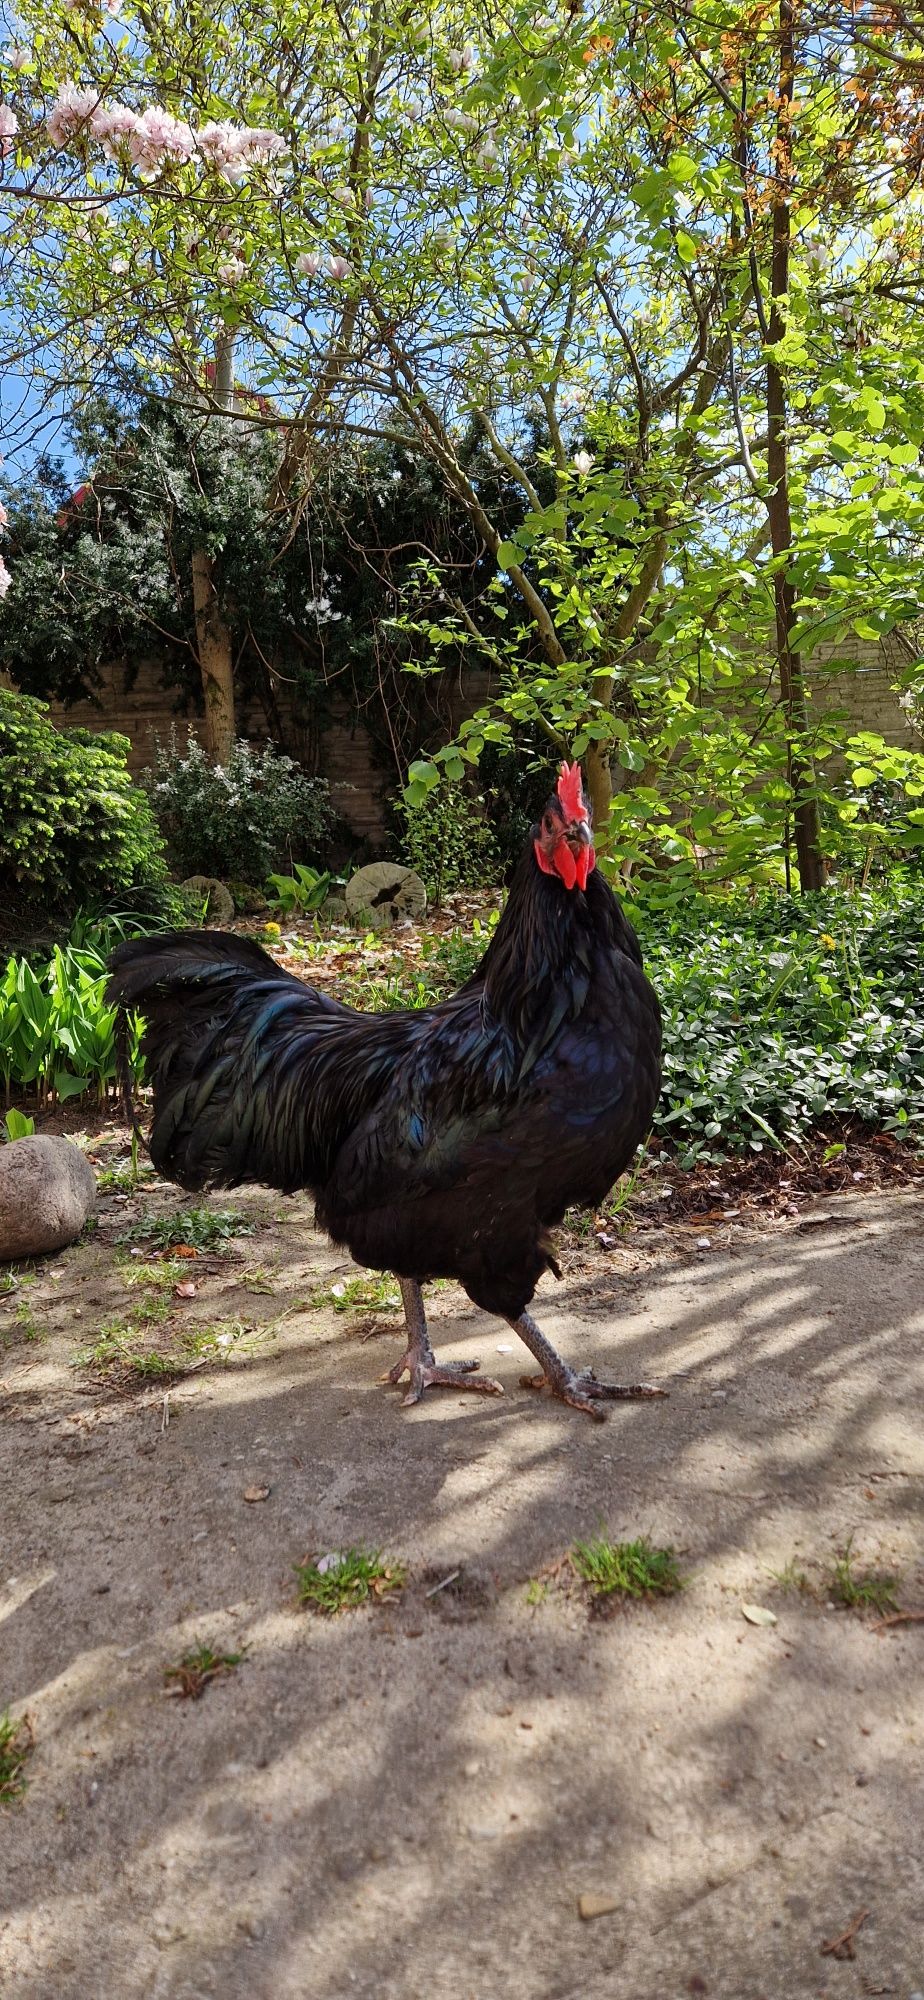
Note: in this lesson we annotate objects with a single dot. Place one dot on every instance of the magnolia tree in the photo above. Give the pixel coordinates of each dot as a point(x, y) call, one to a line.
point(667, 265)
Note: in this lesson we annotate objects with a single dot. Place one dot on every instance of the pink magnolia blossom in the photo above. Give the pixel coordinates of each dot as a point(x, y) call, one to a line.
point(16, 56)
point(231, 149)
point(308, 264)
point(5, 578)
point(114, 125)
point(8, 130)
point(339, 267)
point(70, 113)
point(160, 140)
point(232, 271)
point(262, 144)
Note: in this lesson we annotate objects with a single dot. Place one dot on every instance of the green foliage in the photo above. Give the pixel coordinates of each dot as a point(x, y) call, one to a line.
point(16, 1745)
point(236, 822)
point(197, 1669)
point(304, 891)
point(342, 1582)
point(57, 1035)
point(194, 1228)
point(628, 1569)
point(866, 1590)
point(18, 1126)
point(448, 840)
point(781, 1014)
point(72, 823)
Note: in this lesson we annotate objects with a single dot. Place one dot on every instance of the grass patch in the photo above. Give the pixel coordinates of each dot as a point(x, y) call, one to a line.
point(342, 1582)
point(626, 1569)
point(865, 1590)
point(792, 1580)
point(189, 1228)
point(196, 1671)
point(352, 1294)
point(537, 1591)
point(120, 1343)
point(153, 1277)
point(122, 1180)
point(22, 1326)
point(16, 1746)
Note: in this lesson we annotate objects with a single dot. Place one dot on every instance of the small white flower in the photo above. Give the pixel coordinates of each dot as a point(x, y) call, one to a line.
point(583, 463)
point(8, 130)
point(5, 578)
point(16, 56)
point(232, 271)
point(339, 267)
point(309, 264)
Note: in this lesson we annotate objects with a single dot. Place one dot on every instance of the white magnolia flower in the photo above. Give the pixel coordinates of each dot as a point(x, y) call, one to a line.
point(308, 264)
point(16, 56)
point(583, 463)
point(339, 267)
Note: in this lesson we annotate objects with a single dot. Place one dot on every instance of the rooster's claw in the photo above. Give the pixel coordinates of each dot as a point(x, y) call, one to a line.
point(583, 1391)
point(439, 1375)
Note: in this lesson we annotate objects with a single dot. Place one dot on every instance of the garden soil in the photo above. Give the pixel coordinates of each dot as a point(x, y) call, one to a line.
point(420, 1797)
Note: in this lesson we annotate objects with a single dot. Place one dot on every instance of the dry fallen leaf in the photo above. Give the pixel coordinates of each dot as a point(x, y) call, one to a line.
point(181, 1250)
point(758, 1614)
point(596, 1906)
point(256, 1493)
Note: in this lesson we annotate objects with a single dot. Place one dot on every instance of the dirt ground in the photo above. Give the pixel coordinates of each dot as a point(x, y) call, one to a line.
point(410, 1799)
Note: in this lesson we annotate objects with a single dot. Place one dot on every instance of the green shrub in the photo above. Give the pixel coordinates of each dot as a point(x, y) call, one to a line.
point(449, 842)
point(238, 821)
point(72, 823)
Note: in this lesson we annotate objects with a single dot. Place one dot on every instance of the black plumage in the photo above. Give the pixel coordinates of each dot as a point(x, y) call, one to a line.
point(444, 1142)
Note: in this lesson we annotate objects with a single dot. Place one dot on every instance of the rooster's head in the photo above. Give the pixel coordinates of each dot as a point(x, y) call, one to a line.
point(562, 839)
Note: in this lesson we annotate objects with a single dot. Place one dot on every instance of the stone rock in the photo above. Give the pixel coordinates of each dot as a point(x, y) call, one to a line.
point(220, 907)
point(47, 1190)
point(383, 893)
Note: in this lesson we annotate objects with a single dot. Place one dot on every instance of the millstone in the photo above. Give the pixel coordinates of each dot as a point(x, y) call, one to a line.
point(382, 893)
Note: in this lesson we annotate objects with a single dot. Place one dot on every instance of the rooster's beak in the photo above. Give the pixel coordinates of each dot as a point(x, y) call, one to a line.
point(578, 834)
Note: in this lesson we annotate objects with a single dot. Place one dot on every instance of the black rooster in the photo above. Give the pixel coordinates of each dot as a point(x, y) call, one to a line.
point(443, 1143)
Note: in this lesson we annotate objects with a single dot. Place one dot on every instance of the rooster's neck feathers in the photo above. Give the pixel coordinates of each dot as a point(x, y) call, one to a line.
point(537, 969)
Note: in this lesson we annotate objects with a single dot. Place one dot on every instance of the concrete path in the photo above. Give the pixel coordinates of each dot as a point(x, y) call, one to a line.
point(409, 1801)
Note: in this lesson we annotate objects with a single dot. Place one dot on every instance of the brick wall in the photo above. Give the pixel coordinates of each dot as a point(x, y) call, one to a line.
point(344, 754)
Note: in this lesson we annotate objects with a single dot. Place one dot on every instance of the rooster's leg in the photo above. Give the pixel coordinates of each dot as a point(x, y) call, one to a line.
point(421, 1362)
point(582, 1391)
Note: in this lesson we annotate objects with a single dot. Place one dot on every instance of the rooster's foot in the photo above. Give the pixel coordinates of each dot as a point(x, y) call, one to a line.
point(421, 1362)
point(428, 1373)
point(584, 1392)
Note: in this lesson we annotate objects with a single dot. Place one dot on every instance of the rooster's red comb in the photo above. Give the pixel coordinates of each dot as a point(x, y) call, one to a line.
point(571, 792)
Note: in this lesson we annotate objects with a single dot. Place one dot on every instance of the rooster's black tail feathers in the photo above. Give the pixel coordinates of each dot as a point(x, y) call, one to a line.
point(255, 1075)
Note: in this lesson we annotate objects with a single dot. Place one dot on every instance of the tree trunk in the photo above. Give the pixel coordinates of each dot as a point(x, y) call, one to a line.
point(213, 638)
point(802, 776)
point(216, 660)
point(599, 785)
